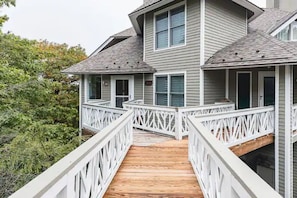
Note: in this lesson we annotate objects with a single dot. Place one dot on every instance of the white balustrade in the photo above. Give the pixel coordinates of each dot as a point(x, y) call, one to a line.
point(96, 117)
point(236, 127)
point(201, 110)
point(88, 170)
point(153, 118)
point(169, 120)
point(219, 171)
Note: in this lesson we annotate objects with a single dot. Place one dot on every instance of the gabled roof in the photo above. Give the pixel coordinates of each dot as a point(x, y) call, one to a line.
point(285, 21)
point(114, 39)
point(148, 5)
point(257, 49)
point(122, 58)
point(266, 21)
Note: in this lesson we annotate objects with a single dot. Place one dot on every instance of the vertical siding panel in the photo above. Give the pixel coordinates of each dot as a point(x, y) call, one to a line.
point(214, 89)
point(225, 22)
point(184, 58)
point(148, 90)
point(83, 89)
point(138, 86)
point(295, 169)
point(105, 92)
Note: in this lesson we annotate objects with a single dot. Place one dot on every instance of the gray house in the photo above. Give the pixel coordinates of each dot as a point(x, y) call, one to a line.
point(191, 53)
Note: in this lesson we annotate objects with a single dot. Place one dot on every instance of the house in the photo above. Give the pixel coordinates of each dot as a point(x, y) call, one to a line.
point(185, 53)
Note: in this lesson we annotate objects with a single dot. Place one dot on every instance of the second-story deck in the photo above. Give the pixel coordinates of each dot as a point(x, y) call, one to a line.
point(114, 165)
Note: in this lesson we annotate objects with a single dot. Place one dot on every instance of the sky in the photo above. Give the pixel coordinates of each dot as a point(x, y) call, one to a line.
point(87, 23)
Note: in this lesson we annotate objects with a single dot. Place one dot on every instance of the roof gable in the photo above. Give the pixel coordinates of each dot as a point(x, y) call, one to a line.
point(124, 57)
point(254, 50)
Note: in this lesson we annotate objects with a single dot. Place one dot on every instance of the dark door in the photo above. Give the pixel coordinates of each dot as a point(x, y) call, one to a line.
point(269, 91)
point(243, 90)
point(122, 92)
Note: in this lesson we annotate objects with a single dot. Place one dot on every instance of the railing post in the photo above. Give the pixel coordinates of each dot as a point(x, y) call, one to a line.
point(178, 124)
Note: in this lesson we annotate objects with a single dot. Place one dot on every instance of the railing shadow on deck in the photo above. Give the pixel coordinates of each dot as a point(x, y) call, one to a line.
point(88, 170)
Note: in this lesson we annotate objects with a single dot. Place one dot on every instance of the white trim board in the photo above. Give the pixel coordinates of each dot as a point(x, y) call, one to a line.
point(202, 50)
point(251, 86)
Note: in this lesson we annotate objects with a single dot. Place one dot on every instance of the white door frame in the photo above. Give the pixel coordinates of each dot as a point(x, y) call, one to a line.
point(261, 75)
point(113, 79)
point(251, 86)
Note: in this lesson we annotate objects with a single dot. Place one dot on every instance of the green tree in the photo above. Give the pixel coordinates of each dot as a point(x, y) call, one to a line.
point(38, 107)
point(5, 3)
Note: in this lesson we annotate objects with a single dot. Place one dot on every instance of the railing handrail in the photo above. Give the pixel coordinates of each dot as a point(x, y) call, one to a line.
point(249, 180)
point(42, 183)
point(235, 113)
point(152, 107)
point(205, 107)
point(98, 106)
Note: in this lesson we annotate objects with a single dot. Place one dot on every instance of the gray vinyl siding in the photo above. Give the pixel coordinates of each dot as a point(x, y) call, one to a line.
point(105, 92)
point(232, 83)
point(214, 86)
point(183, 58)
point(148, 90)
point(138, 86)
point(225, 22)
point(282, 139)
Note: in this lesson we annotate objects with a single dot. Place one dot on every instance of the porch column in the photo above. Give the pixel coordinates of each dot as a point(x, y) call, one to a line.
point(283, 143)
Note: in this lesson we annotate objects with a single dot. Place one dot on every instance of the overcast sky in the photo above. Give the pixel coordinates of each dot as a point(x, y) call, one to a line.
point(85, 22)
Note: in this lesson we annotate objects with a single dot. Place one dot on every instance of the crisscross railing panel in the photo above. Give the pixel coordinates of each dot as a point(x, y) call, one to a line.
point(219, 171)
point(236, 127)
point(88, 170)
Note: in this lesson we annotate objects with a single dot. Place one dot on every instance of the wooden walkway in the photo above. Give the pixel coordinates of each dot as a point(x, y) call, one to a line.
point(156, 170)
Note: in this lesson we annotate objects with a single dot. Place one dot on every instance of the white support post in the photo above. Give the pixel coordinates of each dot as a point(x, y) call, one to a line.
point(276, 128)
point(227, 84)
point(80, 104)
point(178, 125)
point(288, 131)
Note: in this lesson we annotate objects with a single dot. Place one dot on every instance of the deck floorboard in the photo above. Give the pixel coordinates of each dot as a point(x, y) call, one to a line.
point(160, 169)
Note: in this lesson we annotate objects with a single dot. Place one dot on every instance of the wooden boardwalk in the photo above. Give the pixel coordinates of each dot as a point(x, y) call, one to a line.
point(158, 170)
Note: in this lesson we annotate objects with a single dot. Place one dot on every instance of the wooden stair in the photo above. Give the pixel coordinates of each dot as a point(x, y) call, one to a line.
point(159, 170)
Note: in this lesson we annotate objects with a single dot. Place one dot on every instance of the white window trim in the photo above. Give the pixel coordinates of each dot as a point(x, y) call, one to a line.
point(251, 88)
point(283, 26)
point(154, 24)
point(86, 84)
point(168, 74)
point(261, 75)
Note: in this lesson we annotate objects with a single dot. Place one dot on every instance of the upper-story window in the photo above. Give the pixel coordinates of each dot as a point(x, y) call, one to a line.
point(94, 87)
point(289, 33)
point(170, 28)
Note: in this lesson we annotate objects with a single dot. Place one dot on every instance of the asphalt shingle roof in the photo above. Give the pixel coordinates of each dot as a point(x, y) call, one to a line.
point(122, 58)
point(254, 50)
point(125, 33)
point(269, 19)
point(145, 4)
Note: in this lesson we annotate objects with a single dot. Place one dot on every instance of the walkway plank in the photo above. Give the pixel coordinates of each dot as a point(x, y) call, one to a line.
point(158, 170)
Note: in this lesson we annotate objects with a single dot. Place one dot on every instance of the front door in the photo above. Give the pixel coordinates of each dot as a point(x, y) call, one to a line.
point(244, 93)
point(266, 88)
point(121, 90)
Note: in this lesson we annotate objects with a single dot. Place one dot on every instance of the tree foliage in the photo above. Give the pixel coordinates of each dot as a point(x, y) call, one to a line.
point(38, 107)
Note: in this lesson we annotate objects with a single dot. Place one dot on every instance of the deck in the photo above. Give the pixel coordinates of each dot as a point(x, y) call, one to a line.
point(160, 168)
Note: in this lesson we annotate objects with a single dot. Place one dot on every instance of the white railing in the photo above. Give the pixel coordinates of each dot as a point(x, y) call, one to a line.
point(88, 170)
point(99, 102)
point(169, 120)
point(153, 118)
point(96, 117)
point(219, 171)
point(184, 112)
point(236, 127)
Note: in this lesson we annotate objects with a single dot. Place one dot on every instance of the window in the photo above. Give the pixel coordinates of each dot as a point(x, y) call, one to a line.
point(94, 83)
point(170, 28)
point(289, 33)
point(170, 90)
